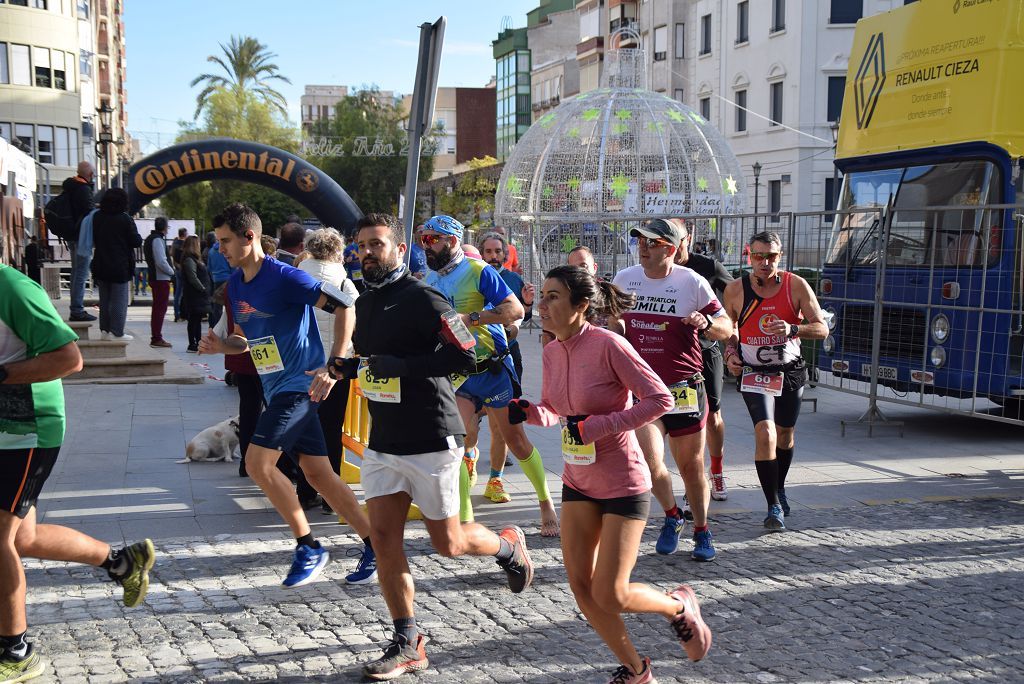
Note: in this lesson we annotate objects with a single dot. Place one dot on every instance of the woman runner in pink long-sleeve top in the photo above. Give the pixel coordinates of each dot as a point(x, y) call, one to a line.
point(589, 375)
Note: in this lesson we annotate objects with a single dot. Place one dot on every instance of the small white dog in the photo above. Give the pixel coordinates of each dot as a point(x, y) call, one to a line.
point(216, 443)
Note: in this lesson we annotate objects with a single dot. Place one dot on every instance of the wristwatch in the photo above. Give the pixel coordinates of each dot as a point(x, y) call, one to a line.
point(794, 331)
point(3, 374)
point(474, 318)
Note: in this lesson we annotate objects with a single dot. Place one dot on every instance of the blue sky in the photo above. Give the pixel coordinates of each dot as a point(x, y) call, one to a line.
point(317, 42)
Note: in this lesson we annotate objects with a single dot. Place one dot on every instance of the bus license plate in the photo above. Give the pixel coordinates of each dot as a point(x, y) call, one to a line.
point(884, 372)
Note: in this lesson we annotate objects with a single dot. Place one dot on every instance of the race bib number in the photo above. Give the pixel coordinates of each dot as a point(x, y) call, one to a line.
point(575, 452)
point(684, 398)
point(761, 383)
point(457, 380)
point(265, 355)
point(384, 390)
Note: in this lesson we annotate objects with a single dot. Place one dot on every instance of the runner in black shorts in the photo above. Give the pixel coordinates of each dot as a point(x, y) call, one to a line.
point(768, 306)
point(714, 369)
point(37, 349)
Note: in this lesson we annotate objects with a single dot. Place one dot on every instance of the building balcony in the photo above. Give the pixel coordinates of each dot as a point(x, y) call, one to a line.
point(589, 47)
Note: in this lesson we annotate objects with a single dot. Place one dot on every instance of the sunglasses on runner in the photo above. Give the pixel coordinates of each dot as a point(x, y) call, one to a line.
point(653, 242)
point(765, 256)
point(431, 240)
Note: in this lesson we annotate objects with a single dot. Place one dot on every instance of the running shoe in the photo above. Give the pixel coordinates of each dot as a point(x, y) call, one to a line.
point(718, 491)
point(703, 548)
point(27, 668)
point(399, 658)
point(306, 566)
point(693, 634)
point(783, 501)
point(625, 675)
point(366, 569)
point(135, 583)
point(495, 491)
point(775, 520)
point(519, 568)
point(687, 513)
point(668, 540)
point(470, 462)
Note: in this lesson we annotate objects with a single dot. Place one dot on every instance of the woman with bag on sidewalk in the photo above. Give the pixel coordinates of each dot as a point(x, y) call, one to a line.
point(589, 375)
point(115, 237)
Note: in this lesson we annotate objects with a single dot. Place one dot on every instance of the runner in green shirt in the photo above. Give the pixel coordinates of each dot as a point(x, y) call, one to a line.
point(37, 349)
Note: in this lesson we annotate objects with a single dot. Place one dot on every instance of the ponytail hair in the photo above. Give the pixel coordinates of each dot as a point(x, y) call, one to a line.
point(605, 299)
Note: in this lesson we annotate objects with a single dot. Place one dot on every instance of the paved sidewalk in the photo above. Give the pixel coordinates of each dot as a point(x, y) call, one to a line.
point(904, 563)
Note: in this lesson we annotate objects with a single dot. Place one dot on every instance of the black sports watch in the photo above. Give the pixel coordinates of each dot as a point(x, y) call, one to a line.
point(794, 331)
point(3, 374)
point(474, 318)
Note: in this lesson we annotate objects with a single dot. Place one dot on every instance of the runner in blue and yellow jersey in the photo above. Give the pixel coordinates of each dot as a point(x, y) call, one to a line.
point(487, 305)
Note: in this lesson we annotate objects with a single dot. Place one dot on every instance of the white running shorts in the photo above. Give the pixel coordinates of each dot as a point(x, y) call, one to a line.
point(431, 479)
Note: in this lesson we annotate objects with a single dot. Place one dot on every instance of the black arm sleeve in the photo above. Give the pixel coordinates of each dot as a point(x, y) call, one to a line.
point(446, 358)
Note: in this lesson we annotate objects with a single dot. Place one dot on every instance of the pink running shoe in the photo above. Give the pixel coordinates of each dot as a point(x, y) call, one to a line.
point(625, 675)
point(693, 634)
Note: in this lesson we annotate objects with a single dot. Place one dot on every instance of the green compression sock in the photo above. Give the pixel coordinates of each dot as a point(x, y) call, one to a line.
point(533, 467)
point(465, 505)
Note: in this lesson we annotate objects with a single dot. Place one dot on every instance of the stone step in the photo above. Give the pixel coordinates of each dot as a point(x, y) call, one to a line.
point(102, 349)
point(120, 369)
point(137, 380)
point(81, 328)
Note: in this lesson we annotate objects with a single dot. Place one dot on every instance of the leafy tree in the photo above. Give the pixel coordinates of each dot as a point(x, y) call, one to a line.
point(371, 132)
point(472, 199)
point(245, 117)
point(247, 70)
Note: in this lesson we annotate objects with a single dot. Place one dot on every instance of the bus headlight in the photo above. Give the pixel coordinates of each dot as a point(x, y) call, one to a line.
point(829, 344)
point(938, 357)
point(830, 317)
point(940, 328)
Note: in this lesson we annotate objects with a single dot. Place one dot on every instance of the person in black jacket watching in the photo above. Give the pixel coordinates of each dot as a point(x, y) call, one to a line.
point(195, 291)
point(115, 237)
point(79, 189)
point(409, 341)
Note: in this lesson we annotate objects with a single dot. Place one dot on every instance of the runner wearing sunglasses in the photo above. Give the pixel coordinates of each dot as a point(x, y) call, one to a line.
point(768, 306)
point(673, 305)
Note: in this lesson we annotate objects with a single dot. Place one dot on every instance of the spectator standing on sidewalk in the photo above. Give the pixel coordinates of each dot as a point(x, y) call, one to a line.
point(196, 290)
point(80, 189)
point(176, 247)
point(37, 349)
point(115, 237)
point(160, 275)
point(290, 243)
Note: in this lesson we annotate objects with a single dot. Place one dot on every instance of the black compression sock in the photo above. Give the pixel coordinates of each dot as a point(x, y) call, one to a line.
point(405, 630)
point(118, 563)
point(307, 540)
point(785, 459)
point(768, 476)
point(15, 647)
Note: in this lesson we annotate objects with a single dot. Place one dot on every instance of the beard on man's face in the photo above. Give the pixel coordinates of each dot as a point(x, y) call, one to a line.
point(375, 270)
point(438, 260)
point(496, 263)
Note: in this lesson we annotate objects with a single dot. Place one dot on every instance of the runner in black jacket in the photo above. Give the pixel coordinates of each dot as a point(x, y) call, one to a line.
point(407, 351)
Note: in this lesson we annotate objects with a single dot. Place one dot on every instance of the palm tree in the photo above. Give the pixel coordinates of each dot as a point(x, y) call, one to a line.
point(247, 64)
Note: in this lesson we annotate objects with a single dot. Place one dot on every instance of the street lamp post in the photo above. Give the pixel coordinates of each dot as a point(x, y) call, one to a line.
point(835, 169)
point(757, 183)
point(105, 139)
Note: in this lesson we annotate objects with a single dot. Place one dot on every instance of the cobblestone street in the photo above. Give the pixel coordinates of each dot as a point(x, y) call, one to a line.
point(913, 592)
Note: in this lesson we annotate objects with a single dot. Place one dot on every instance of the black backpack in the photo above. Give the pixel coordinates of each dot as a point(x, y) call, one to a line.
point(60, 220)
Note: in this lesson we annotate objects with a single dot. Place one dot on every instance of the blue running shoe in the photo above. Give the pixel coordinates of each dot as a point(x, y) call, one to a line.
point(366, 569)
point(776, 519)
point(306, 566)
point(668, 540)
point(703, 549)
point(783, 501)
